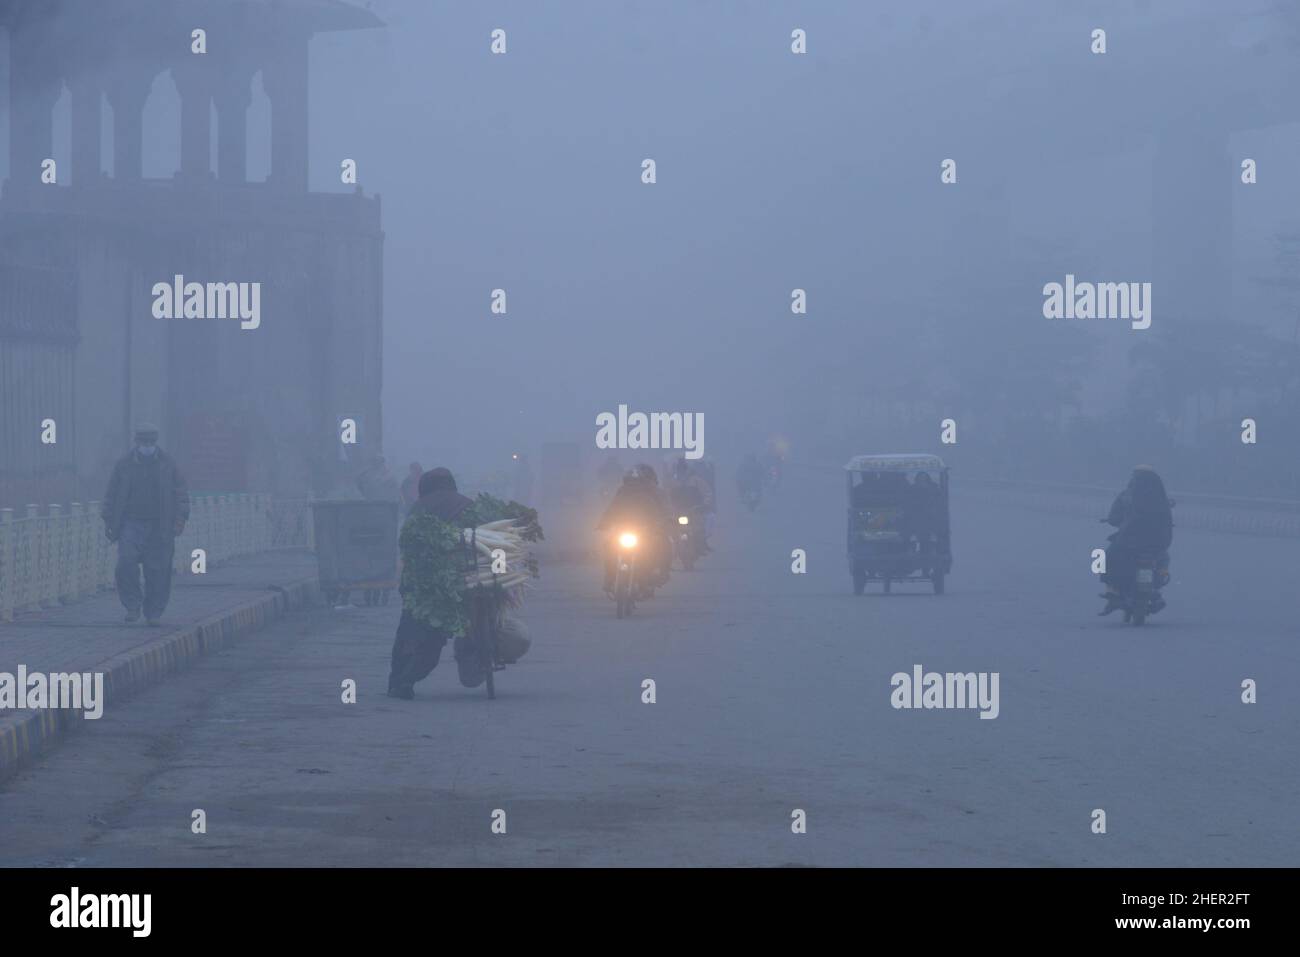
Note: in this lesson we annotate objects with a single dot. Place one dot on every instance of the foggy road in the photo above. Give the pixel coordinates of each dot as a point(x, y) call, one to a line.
point(773, 694)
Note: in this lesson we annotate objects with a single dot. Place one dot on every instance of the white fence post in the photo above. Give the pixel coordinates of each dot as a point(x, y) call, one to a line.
point(27, 561)
point(223, 527)
point(245, 525)
point(263, 521)
point(83, 557)
point(101, 552)
point(62, 552)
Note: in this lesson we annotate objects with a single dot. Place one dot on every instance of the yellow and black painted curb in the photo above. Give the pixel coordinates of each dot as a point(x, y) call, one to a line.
point(26, 734)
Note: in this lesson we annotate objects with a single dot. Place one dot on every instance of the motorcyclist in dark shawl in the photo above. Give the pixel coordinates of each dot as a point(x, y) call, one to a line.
point(432, 583)
point(690, 495)
point(638, 504)
point(1143, 517)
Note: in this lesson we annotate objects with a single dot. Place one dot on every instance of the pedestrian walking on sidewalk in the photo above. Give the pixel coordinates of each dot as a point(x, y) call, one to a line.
point(145, 509)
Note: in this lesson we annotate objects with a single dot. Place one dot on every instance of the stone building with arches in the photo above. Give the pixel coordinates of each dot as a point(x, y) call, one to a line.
point(83, 242)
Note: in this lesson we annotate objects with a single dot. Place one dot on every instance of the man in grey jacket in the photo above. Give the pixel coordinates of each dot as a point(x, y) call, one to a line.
point(145, 508)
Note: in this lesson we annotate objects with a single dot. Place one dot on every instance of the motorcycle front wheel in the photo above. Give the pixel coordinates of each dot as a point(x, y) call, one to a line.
point(623, 594)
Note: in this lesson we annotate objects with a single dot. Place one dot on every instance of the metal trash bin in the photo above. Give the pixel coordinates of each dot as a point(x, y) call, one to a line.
point(356, 548)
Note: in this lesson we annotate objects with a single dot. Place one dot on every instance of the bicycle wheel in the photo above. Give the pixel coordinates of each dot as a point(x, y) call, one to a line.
point(488, 649)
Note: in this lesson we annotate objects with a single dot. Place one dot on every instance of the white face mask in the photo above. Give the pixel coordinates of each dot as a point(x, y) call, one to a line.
point(146, 450)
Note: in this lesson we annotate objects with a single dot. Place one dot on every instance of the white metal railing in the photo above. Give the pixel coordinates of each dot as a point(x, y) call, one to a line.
point(62, 555)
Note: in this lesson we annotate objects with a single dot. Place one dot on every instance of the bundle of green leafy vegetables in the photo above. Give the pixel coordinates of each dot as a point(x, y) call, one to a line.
point(488, 508)
point(434, 559)
point(433, 573)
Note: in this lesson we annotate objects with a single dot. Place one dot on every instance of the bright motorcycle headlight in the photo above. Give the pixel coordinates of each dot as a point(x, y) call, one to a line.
point(683, 520)
point(627, 540)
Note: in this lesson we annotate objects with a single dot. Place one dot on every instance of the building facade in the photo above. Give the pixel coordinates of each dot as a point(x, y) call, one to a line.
point(243, 409)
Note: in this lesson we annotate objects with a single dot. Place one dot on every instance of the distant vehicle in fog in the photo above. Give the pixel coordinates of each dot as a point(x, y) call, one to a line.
point(750, 477)
point(690, 496)
point(898, 520)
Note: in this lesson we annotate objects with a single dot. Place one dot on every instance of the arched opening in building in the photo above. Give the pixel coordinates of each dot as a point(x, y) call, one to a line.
point(259, 133)
point(161, 140)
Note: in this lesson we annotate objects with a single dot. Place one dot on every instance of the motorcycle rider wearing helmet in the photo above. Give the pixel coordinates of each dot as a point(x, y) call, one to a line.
point(690, 495)
point(638, 504)
point(1142, 515)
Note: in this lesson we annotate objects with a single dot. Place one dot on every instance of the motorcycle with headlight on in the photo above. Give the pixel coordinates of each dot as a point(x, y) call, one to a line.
point(626, 571)
point(686, 538)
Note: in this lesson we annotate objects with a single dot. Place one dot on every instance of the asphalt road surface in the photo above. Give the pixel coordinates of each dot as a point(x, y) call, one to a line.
point(772, 694)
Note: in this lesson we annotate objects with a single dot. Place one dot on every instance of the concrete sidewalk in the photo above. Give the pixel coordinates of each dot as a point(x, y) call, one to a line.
point(206, 612)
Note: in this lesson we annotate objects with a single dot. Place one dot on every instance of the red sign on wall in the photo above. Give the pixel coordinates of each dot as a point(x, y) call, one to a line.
point(214, 452)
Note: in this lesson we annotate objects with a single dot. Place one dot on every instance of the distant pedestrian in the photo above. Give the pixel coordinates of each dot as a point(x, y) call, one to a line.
point(145, 509)
point(411, 487)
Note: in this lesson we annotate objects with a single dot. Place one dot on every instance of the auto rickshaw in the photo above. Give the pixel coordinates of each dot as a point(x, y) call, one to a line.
point(898, 520)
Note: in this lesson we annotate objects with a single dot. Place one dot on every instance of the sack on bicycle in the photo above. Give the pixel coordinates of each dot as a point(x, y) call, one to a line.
point(512, 640)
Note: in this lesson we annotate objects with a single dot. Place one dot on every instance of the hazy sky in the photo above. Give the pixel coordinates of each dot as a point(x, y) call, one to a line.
point(775, 171)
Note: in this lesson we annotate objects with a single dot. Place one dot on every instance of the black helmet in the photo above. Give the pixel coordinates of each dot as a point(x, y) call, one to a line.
point(646, 474)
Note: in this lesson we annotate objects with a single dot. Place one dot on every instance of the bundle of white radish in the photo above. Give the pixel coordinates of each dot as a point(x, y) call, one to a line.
point(499, 545)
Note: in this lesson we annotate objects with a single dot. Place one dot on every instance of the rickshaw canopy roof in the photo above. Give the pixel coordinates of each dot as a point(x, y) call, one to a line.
point(895, 462)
